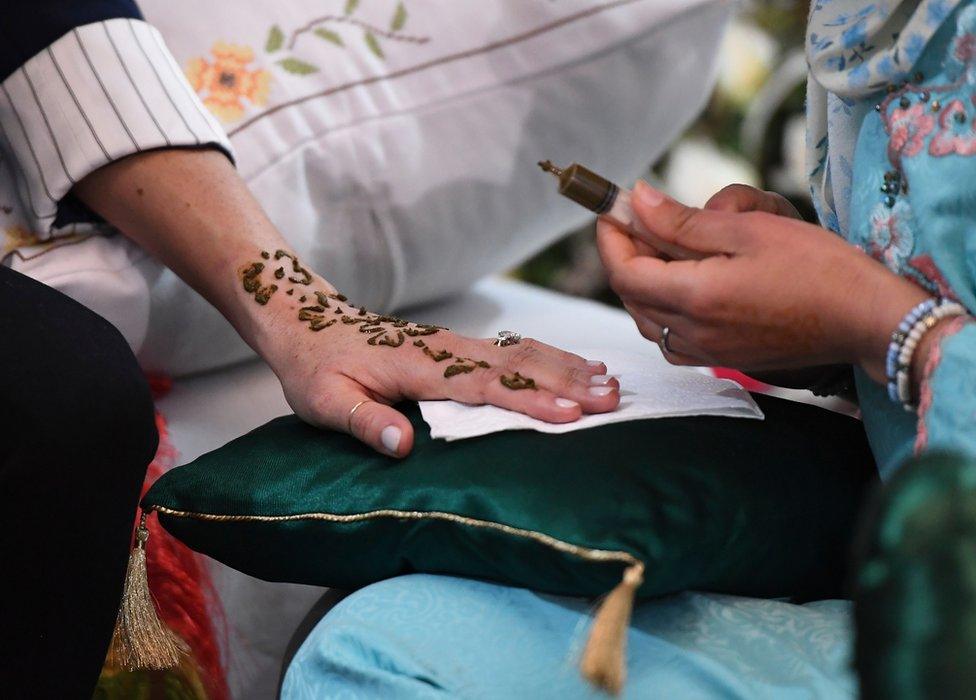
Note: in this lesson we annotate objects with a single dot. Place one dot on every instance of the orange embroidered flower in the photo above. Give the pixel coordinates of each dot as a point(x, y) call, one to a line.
point(226, 81)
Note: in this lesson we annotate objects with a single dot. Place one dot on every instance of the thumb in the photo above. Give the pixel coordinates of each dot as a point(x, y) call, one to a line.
point(691, 229)
point(350, 409)
point(744, 198)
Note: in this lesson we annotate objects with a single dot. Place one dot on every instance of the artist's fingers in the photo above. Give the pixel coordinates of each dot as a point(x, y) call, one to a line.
point(605, 229)
point(645, 248)
point(650, 280)
point(596, 393)
point(743, 198)
point(680, 352)
point(378, 425)
point(710, 232)
point(614, 241)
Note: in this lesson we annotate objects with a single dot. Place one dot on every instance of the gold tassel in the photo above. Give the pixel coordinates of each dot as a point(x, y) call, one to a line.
point(604, 661)
point(141, 640)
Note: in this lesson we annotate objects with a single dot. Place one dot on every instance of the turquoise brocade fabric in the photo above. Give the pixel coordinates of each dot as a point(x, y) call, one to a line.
point(913, 208)
point(422, 637)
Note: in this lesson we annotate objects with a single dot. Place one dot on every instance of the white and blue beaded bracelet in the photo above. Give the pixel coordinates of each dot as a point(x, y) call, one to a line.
point(898, 338)
point(929, 320)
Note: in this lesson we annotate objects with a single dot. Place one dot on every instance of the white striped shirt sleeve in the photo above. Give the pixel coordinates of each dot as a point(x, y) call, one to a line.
point(99, 93)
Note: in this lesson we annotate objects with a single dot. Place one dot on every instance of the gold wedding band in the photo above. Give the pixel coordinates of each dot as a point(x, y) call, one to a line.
point(354, 409)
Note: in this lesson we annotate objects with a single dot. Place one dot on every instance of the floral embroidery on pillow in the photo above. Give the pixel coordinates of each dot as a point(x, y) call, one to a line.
point(228, 85)
point(226, 82)
point(956, 133)
point(326, 28)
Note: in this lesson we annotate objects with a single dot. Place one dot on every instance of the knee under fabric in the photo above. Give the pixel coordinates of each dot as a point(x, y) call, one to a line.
point(915, 588)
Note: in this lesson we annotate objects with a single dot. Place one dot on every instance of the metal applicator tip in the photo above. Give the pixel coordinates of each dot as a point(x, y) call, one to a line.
point(548, 167)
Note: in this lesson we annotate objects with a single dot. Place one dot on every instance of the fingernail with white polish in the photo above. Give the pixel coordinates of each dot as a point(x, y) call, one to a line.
point(600, 378)
point(593, 363)
point(566, 403)
point(390, 437)
point(600, 390)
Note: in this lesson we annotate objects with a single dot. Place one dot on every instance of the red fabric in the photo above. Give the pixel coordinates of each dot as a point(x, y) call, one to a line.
point(748, 383)
point(178, 577)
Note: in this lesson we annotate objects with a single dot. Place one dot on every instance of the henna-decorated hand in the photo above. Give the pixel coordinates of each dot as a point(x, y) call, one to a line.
point(332, 356)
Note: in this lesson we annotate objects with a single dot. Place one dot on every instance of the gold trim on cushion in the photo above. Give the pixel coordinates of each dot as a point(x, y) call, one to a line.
point(587, 553)
point(603, 662)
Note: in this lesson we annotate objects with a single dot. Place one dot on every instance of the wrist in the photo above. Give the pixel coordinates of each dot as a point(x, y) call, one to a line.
point(270, 289)
point(881, 313)
point(911, 346)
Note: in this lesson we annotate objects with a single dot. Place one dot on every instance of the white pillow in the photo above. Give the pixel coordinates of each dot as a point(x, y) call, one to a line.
point(403, 166)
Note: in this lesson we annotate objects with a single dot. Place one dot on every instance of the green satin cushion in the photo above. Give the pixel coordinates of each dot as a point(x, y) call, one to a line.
point(728, 505)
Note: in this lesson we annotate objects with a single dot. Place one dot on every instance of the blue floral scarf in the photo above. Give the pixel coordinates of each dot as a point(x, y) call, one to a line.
point(856, 48)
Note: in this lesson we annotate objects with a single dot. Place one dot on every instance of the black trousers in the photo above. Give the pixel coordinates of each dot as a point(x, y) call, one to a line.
point(76, 435)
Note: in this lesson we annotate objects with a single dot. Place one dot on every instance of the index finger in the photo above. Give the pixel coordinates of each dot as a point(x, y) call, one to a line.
point(705, 231)
point(649, 280)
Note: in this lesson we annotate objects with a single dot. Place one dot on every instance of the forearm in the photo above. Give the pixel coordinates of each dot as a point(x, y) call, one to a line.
point(191, 210)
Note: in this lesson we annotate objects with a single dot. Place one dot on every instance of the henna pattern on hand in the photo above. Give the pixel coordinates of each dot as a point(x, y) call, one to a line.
point(251, 280)
point(306, 276)
point(517, 382)
point(250, 276)
point(463, 365)
point(455, 370)
point(388, 331)
point(439, 356)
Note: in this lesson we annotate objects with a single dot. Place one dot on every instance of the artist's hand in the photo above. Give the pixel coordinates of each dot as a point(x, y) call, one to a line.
point(774, 292)
point(743, 198)
point(331, 356)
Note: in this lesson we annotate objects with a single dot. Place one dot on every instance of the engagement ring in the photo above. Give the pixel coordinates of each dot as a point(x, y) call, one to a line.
point(506, 338)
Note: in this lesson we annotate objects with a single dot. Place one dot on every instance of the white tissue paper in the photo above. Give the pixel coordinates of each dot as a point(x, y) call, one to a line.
point(647, 390)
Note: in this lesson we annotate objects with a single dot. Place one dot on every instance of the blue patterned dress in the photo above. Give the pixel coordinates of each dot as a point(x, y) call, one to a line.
point(896, 175)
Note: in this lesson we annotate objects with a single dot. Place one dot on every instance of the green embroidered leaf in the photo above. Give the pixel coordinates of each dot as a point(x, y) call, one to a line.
point(373, 44)
point(399, 18)
point(276, 38)
point(329, 36)
point(293, 65)
point(351, 6)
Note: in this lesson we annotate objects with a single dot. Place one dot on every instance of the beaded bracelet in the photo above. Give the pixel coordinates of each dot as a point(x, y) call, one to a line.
point(945, 309)
point(898, 339)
